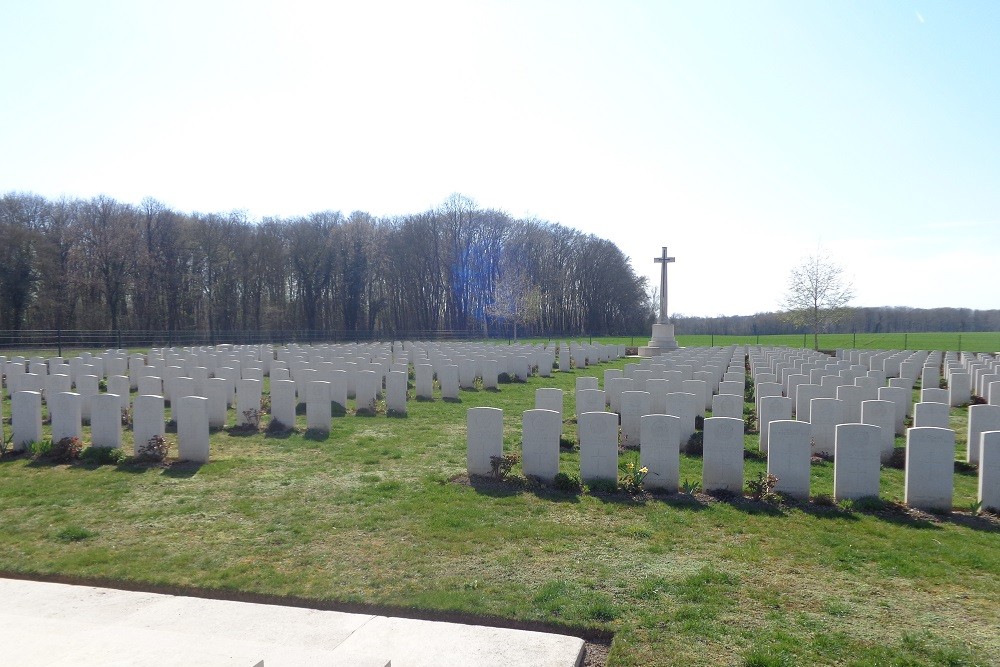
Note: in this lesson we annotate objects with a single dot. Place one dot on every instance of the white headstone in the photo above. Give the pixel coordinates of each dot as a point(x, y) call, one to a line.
point(660, 451)
point(930, 466)
point(598, 446)
point(540, 431)
point(484, 439)
point(856, 462)
point(989, 470)
point(192, 428)
point(788, 456)
point(147, 420)
point(723, 455)
point(106, 421)
point(982, 418)
point(26, 419)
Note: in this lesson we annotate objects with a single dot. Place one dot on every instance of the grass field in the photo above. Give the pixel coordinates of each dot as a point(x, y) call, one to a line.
point(967, 342)
point(380, 513)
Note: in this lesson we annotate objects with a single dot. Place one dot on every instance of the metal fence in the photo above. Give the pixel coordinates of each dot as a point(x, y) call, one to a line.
point(127, 339)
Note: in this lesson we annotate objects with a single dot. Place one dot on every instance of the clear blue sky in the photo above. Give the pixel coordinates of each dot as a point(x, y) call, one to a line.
point(740, 134)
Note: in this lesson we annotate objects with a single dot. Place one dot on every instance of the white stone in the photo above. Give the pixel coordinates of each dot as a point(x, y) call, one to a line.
point(931, 415)
point(825, 415)
point(772, 408)
point(217, 393)
point(727, 405)
point(26, 419)
point(366, 387)
point(467, 373)
point(982, 418)
point(318, 406)
point(682, 405)
point(192, 428)
point(703, 398)
point(883, 415)
point(448, 377)
point(55, 384)
point(856, 462)
point(930, 465)
point(395, 394)
point(484, 439)
point(491, 373)
point(147, 420)
point(589, 400)
point(248, 395)
point(635, 404)
point(598, 446)
point(614, 389)
point(106, 421)
point(659, 451)
point(66, 410)
point(989, 470)
point(424, 381)
point(934, 395)
point(540, 431)
point(959, 389)
point(902, 399)
point(804, 394)
point(150, 385)
point(283, 401)
point(587, 382)
point(723, 455)
point(549, 398)
point(788, 456)
point(87, 388)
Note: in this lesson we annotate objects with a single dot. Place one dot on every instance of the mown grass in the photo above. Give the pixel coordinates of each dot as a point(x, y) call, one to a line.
point(378, 513)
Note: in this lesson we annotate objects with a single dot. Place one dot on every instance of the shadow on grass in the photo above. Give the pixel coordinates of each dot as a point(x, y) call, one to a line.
point(182, 469)
point(452, 400)
point(316, 434)
point(338, 410)
point(242, 431)
point(392, 414)
point(424, 399)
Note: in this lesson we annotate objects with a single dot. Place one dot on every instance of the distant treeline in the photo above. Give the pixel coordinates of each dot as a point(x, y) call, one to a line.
point(103, 264)
point(887, 319)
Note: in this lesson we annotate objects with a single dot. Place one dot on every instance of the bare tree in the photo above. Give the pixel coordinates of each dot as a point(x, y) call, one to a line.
point(516, 299)
point(817, 294)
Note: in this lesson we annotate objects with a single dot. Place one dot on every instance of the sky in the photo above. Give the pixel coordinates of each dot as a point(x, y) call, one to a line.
point(742, 135)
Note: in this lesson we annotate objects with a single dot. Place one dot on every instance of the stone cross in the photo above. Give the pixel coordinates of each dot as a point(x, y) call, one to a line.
point(664, 260)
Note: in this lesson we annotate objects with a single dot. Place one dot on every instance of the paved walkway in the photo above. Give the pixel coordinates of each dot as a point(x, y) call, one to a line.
point(61, 625)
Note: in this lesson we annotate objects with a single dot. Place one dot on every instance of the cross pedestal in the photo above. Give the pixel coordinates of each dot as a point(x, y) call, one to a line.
point(663, 333)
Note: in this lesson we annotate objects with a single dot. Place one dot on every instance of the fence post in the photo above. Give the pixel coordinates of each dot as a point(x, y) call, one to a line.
point(119, 337)
point(59, 340)
point(906, 338)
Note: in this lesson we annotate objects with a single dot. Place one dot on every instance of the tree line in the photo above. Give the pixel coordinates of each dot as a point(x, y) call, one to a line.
point(99, 264)
point(885, 319)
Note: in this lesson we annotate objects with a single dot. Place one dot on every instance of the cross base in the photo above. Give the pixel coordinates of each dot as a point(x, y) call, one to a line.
point(662, 341)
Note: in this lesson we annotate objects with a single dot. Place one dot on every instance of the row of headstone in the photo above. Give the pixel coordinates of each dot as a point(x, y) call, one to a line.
point(190, 413)
point(928, 471)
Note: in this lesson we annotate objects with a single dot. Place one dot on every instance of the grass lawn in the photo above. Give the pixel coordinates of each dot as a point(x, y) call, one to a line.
point(380, 513)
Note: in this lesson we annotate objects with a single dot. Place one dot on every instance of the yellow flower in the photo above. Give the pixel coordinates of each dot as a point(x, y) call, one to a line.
point(643, 470)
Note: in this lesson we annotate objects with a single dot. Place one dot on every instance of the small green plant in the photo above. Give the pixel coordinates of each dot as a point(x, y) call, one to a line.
point(127, 416)
point(74, 534)
point(251, 419)
point(103, 456)
point(500, 466)
point(823, 500)
point(633, 477)
point(567, 483)
point(976, 508)
point(690, 487)
point(66, 450)
point(265, 404)
point(603, 486)
point(5, 444)
point(762, 488)
point(695, 444)
point(154, 450)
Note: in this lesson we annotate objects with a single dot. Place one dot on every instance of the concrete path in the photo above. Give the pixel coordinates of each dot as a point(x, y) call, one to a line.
point(61, 625)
